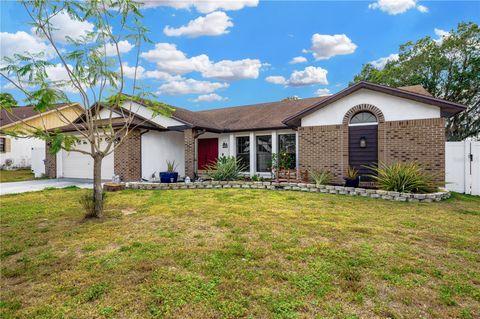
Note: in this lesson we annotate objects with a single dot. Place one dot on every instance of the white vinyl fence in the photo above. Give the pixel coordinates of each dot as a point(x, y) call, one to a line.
point(462, 167)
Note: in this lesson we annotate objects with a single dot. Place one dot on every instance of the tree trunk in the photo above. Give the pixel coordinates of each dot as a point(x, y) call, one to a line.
point(97, 187)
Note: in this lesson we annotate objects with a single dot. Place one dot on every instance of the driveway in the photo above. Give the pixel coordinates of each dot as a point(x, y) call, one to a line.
point(38, 185)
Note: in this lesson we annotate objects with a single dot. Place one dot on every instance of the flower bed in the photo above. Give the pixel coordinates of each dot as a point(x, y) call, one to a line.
point(303, 187)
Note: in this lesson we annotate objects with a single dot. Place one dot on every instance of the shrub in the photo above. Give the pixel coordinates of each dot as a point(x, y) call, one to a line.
point(227, 168)
point(88, 204)
point(352, 173)
point(409, 177)
point(171, 166)
point(321, 177)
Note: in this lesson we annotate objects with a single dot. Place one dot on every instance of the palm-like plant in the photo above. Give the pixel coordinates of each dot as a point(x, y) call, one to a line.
point(321, 177)
point(226, 168)
point(408, 177)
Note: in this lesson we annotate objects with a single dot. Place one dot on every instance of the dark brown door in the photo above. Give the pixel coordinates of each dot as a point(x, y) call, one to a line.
point(207, 152)
point(366, 154)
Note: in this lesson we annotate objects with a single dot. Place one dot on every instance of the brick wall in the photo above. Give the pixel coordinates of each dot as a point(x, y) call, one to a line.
point(326, 147)
point(189, 137)
point(50, 163)
point(127, 158)
point(422, 141)
point(320, 148)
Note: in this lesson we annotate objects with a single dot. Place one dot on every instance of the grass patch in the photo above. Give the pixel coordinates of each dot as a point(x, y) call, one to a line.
point(16, 175)
point(238, 254)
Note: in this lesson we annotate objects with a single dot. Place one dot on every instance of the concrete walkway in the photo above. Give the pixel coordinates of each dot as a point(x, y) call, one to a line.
point(38, 185)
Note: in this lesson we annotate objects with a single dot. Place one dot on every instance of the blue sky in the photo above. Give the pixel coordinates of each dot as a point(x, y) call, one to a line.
point(242, 53)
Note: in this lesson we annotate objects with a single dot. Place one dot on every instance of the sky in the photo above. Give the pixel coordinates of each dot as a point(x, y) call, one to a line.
point(212, 54)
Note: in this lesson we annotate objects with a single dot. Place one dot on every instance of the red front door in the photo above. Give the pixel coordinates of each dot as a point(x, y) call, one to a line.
point(207, 152)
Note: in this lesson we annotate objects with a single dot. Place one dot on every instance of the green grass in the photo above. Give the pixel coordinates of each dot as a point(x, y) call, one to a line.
point(238, 253)
point(16, 176)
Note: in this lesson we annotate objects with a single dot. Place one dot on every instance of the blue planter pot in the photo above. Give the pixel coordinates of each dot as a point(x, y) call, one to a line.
point(352, 182)
point(168, 177)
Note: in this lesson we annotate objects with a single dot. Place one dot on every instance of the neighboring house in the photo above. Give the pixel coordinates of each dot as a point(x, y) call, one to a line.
point(360, 125)
point(17, 152)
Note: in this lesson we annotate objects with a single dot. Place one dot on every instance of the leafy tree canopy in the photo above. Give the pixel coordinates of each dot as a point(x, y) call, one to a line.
point(449, 68)
point(7, 100)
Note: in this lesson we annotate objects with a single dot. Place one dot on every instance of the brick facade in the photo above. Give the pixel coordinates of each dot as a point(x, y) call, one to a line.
point(423, 141)
point(189, 138)
point(320, 148)
point(50, 163)
point(127, 158)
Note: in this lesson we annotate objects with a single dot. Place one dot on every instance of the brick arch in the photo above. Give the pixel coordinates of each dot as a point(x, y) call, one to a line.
point(381, 132)
point(361, 108)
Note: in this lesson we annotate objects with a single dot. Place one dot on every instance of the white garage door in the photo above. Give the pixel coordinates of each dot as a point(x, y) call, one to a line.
point(78, 165)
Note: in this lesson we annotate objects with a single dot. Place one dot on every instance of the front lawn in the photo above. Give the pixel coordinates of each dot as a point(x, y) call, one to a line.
point(238, 253)
point(15, 176)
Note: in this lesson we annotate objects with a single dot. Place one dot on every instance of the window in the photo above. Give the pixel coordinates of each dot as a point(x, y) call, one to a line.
point(264, 153)
point(243, 151)
point(363, 118)
point(2, 144)
point(287, 148)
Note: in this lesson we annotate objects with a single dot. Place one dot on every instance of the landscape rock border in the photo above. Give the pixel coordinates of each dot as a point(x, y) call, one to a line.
point(302, 187)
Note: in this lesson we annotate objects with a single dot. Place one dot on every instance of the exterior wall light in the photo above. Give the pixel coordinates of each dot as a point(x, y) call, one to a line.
point(363, 142)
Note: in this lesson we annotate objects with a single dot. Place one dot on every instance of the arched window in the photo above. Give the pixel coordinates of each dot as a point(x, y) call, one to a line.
point(363, 118)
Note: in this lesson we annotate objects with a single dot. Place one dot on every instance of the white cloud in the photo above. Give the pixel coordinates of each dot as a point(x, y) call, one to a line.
point(422, 8)
point(323, 92)
point(159, 75)
point(203, 6)
point(190, 86)
point(380, 63)
point(325, 46)
point(169, 59)
point(212, 97)
point(229, 70)
point(215, 23)
point(308, 76)
point(129, 71)
point(394, 7)
point(64, 26)
point(298, 59)
point(123, 46)
point(21, 42)
point(173, 61)
point(441, 34)
point(276, 79)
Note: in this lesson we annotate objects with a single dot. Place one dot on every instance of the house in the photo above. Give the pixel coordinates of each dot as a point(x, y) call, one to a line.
point(363, 124)
point(17, 152)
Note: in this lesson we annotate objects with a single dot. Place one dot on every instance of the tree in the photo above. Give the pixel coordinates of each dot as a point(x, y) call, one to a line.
point(449, 68)
point(92, 67)
point(6, 99)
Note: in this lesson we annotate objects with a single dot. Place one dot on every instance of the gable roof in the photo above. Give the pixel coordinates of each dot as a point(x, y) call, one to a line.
point(257, 116)
point(447, 108)
point(287, 113)
point(242, 118)
point(24, 113)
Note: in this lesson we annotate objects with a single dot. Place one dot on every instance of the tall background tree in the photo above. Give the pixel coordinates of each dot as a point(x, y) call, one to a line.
point(448, 67)
point(91, 70)
point(7, 100)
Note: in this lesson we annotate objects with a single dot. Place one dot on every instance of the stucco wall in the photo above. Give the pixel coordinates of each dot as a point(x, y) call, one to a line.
point(21, 151)
point(393, 108)
point(157, 148)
